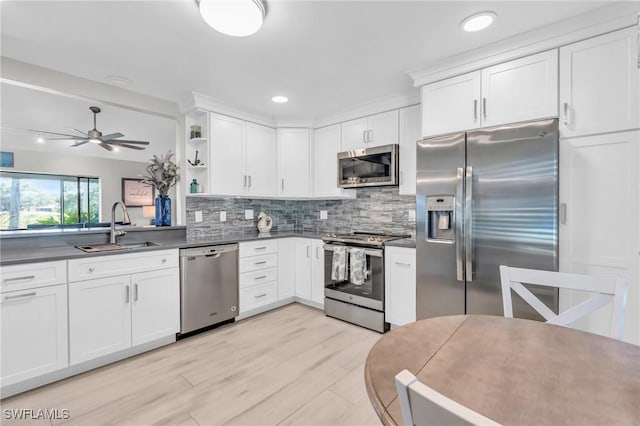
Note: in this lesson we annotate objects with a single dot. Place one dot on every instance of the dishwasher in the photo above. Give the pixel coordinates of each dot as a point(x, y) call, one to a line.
point(208, 286)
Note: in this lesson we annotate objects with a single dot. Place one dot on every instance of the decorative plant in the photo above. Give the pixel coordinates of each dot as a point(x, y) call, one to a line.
point(162, 173)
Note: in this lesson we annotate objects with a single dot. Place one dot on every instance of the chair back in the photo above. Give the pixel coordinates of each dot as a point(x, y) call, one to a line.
point(422, 405)
point(609, 290)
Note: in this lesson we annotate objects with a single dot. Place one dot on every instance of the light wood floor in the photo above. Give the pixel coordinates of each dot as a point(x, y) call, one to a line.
point(290, 366)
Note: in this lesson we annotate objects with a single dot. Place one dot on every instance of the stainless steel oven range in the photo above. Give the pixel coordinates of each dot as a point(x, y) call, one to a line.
point(354, 278)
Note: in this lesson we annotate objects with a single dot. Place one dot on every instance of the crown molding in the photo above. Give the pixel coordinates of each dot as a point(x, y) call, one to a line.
point(379, 105)
point(198, 101)
point(605, 19)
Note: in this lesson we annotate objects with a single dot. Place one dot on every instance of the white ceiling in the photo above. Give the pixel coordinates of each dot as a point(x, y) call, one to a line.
point(327, 56)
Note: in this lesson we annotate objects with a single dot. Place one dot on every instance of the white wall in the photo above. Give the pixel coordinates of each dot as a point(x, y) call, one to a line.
point(110, 173)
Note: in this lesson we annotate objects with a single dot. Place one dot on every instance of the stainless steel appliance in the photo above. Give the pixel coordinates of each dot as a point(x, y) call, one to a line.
point(208, 286)
point(485, 198)
point(377, 166)
point(361, 304)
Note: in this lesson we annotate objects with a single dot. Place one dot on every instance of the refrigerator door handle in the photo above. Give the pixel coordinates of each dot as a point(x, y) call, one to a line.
point(458, 224)
point(468, 224)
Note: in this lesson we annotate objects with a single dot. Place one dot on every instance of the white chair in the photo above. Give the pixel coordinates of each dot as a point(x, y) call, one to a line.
point(422, 405)
point(608, 289)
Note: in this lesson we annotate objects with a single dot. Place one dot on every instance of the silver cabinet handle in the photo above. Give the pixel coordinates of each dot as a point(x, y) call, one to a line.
point(249, 181)
point(370, 138)
point(26, 277)
point(260, 248)
point(563, 213)
point(408, 265)
point(566, 113)
point(260, 263)
point(244, 181)
point(364, 136)
point(457, 221)
point(308, 251)
point(475, 110)
point(484, 107)
point(282, 184)
point(261, 277)
point(260, 295)
point(135, 292)
point(18, 296)
point(92, 269)
point(317, 252)
point(163, 261)
point(468, 223)
point(126, 294)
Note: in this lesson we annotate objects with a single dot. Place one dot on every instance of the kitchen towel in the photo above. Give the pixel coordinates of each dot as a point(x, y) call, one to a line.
point(358, 263)
point(339, 264)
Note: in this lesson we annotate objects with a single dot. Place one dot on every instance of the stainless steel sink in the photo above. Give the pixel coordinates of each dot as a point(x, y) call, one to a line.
point(95, 248)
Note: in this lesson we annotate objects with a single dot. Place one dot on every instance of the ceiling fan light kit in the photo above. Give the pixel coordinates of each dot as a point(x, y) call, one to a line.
point(238, 18)
point(107, 142)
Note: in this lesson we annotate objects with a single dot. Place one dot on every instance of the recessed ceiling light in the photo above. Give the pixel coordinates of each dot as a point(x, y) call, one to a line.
point(40, 140)
point(118, 80)
point(478, 22)
point(280, 99)
point(236, 18)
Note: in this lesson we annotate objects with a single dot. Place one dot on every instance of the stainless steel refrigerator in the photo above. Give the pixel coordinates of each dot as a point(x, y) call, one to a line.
point(485, 198)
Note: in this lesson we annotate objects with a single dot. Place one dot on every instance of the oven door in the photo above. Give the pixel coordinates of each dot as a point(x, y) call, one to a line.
point(370, 294)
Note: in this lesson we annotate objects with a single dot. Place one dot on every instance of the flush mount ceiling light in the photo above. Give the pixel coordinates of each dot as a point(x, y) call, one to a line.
point(478, 21)
point(280, 99)
point(118, 80)
point(236, 18)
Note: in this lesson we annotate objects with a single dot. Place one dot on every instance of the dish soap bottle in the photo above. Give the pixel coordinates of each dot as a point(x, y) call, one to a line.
point(193, 188)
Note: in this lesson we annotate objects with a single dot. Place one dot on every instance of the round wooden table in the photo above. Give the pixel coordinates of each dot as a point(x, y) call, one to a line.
point(513, 371)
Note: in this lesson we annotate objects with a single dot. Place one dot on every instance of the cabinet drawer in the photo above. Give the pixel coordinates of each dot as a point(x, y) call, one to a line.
point(258, 295)
point(33, 275)
point(258, 277)
point(255, 263)
point(253, 248)
point(105, 266)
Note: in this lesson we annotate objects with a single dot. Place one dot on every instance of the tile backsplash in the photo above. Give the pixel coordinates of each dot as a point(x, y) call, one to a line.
point(373, 209)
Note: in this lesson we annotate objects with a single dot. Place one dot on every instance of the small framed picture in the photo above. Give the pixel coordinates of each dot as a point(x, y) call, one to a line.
point(6, 159)
point(137, 194)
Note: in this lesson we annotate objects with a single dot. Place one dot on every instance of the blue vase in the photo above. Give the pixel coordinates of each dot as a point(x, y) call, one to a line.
point(163, 210)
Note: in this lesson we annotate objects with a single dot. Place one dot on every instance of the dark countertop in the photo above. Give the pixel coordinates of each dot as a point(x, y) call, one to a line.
point(404, 242)
point(67, 250)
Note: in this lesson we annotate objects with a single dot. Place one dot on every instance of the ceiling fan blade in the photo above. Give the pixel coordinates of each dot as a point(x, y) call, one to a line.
point(80, 142)
point(105, 146)
point(112, 136)
point(52, 133)
point(124, 145)
point(79, 131)
point(70, 138)
point(117, 141)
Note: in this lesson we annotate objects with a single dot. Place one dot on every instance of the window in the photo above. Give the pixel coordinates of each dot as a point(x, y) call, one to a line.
point(30, 200)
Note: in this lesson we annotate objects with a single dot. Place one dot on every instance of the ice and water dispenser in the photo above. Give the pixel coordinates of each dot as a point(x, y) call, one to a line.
point(440, 218)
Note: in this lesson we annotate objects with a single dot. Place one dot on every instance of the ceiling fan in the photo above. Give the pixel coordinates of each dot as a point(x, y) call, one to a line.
point(95, 136)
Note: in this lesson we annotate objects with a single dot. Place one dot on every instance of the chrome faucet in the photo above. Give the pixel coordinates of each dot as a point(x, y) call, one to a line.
point(126, 219)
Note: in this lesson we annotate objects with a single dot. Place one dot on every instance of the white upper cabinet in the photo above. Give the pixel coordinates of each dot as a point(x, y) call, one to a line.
point(375, 130)
point(326, 145)
point(409, 135)
point(599, 84)
point(243, 157)
point(197, 150)
point(260, 154)
point(293, 162)
point(451, 105)
point(519, 90)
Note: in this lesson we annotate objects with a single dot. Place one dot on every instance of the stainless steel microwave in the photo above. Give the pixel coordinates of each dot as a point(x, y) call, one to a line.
point(376, 166)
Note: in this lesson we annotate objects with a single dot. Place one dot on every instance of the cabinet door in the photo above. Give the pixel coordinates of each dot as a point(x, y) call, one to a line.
point(599, 226)
point(383, 129)
point(599, 85)
point(293, 162)
point(520, 90)
point(34, 332)
point(286, 268)
point(303, 268)
point(317, 272)
point(400, 285)
point(326, 145)
point(156, 305)
point(409, 135)
point(99, 317)
point(353, 134)
point(451, 105)
point(228, 175)
point(261, 160)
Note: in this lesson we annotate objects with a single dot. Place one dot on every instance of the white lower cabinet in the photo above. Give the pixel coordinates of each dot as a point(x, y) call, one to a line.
point(34, 332)
point(113, 313)
point(310, 270)
point(400, 285)
point(258, 268)
point(286, 268)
